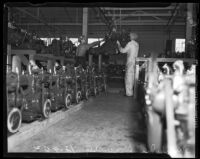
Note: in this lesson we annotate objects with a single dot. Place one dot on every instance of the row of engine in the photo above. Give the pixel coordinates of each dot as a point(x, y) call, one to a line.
point(34, 95)
point(169, 99)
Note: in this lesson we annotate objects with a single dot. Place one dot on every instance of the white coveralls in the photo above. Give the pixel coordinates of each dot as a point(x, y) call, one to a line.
point(131, 49)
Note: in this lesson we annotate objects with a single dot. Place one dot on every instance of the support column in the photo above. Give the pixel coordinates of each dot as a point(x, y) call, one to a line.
point(85, 31)
point(85, 24)
point(16, 63)
point(189, 22)
point(50, 66)
point(90, 59)
point(9, 60)
point(100, 62)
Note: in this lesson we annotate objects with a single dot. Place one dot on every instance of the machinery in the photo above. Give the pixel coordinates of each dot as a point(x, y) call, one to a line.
point(85, 84)
point(170, 110)
point(14, 102)
point(60, 96)
point(92, 80)
point(36, 95)
point(101, 81)
point(73, 80)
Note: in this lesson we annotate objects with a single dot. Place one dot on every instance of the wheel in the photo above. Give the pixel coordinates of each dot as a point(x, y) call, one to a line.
point(46, 108)
point(78, 96)
point(154, 131)
point(14, 120)
point(68, 100)
point(87, 94)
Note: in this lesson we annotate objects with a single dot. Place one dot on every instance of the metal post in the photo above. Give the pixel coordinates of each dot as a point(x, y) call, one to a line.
point(136, 79)
point(100, 62)
point(9, 54)
point(189, 22)
point(85, 23)
point(50, 66)
point(171, 134)
point(85, 30)
point(90, 59)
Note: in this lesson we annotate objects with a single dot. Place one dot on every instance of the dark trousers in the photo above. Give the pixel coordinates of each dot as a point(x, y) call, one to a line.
point(80, 61)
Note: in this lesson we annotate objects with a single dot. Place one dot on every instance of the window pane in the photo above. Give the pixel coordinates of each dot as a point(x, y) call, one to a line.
point(180, 45)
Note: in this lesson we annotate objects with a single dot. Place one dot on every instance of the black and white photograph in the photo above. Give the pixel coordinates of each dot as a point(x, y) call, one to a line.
point(100, 78)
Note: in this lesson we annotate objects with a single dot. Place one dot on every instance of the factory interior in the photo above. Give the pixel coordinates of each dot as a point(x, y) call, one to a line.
point(97, 78)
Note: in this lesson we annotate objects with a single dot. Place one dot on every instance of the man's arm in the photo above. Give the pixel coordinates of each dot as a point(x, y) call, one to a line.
point(123, 50)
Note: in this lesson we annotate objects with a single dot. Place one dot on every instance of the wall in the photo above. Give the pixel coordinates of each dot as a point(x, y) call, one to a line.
point(155, 41)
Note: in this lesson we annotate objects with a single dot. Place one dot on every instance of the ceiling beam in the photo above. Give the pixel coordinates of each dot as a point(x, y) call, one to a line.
point(138, 8)
point(152, 22)
point(107, 20)
point(37, 18)
point(173, 16)
point(137, 15)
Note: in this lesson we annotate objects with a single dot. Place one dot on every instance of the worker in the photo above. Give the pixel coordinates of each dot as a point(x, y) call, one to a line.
point(81, 50)
point(32, 66)
point(131, 49)
point(67, 46)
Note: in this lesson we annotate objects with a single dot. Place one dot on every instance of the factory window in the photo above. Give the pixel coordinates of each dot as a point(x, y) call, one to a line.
point(91, 40)
point(74, 41)
point(180, 45)
point(48, 40)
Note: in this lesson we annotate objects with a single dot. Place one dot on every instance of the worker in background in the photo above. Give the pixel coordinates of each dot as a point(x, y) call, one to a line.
point(67, 46)
point(131, 49)
point(81, 50)
point(32, 66)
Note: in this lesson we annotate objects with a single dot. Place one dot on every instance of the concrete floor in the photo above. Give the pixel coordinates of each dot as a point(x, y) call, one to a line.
point(107, 123)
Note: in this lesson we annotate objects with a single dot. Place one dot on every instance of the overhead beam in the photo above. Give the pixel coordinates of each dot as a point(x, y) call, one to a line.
point(174, 13)
point(153, 22)
point(108, 20)
point(139, 8)
point(136, 15)
point(35, 17)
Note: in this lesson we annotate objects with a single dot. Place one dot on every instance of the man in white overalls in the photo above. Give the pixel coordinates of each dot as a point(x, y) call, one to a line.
point(131, 49)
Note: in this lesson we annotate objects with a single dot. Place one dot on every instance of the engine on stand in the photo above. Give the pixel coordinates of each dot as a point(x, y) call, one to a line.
point(101, 81)
point(59, 94)
point(170, 105)
point(92, 80)
point(36, 95)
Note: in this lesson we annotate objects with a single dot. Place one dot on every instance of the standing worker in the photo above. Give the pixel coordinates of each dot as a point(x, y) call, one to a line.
point(81, 50)
point(67, 46)
point(131, 49)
